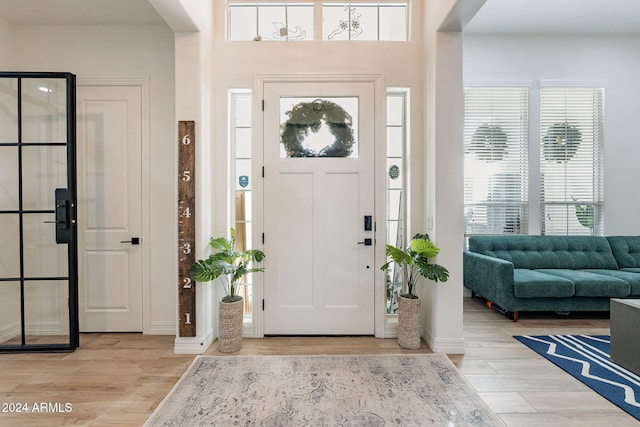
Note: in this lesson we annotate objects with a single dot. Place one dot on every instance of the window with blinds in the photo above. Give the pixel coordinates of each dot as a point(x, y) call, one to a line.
point(571, 127)
point(496, 130)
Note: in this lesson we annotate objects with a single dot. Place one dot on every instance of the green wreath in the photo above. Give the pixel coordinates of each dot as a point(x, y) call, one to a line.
point(489, 143)
point(560, 142)
point(309, 116)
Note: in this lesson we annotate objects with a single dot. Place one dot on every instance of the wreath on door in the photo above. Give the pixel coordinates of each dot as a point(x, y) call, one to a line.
point(489, 143)
point(560, 142)
point(307, 117)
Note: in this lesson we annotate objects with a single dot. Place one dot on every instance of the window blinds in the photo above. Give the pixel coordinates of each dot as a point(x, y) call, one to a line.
point(571, 124)
point(496, 145)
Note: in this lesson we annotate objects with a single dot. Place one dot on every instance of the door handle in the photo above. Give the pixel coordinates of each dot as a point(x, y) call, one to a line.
point(63, 215)
point(133, 241)
point(366, 242)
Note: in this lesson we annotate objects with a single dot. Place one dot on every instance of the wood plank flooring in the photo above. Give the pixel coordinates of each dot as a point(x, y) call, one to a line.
point(520, 386)
point(119, 379)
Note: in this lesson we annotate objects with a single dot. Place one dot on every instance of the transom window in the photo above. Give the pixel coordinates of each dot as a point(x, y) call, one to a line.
point(328, 21)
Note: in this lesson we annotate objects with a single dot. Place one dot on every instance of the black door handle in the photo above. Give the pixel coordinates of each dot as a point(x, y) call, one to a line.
point(133, 241)
point(367, 242)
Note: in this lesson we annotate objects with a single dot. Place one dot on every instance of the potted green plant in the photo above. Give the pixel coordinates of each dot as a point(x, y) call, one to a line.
point(230, 265)
point(413, 263)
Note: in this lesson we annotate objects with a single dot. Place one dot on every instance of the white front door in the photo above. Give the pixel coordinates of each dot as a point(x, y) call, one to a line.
point(109, 208)
point(319, 273)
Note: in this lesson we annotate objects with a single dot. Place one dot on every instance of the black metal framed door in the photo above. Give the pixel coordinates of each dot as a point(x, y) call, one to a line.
point(38, 235)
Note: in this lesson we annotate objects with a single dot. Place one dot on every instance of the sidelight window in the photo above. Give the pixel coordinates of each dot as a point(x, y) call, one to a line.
point(241, 206)
point(397, 127)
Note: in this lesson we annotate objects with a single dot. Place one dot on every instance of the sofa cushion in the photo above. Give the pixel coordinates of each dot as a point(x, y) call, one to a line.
point(533, 284)
point(633, 278)
point(592, 284)
point(554, 252)
point(626, 250)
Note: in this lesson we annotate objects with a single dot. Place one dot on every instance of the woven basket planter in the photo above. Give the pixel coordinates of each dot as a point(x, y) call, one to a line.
point(230, 315)
point(409, 323)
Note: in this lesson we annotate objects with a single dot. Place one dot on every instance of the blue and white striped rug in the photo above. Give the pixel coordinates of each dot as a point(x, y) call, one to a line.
point(587, 359)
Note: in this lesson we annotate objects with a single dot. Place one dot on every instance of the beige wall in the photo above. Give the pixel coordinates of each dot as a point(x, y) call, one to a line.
point(6, 46)
point(127, 52)
point(206, 67)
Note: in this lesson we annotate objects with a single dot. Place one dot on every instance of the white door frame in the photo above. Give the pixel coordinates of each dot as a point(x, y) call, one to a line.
point(143, 84)
point(380, 313)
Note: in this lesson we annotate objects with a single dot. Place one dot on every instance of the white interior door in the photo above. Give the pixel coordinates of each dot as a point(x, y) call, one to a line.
point(318, 278)
point(110, 203)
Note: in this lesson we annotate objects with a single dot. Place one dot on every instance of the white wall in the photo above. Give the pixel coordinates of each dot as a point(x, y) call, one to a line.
point(613, 59)
point(443, 161)
point(237, 64)
point(126, 52)
point(193, 82)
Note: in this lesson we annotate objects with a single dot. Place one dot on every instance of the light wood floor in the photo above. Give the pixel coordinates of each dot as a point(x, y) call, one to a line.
point(119, 379)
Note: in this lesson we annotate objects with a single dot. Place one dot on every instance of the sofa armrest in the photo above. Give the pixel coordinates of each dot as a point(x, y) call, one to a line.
point(489, 277)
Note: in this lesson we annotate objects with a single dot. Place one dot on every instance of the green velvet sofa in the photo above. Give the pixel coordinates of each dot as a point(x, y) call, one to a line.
point(515, 273)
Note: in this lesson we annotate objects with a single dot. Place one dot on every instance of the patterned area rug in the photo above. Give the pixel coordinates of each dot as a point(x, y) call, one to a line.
point(371, 390)
point(587, 359)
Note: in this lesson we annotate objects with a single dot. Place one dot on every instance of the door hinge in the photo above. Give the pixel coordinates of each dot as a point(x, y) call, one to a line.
point(263, 105)
point(263, 238)
point(263, 171)
point(263, 305)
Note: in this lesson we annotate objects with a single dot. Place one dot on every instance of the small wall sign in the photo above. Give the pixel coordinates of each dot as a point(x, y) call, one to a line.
point(394, 171)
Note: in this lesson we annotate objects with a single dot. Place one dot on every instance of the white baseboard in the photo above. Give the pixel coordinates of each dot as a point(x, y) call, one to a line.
point(445, 345)
point(391, 328)
point(162, 328)
point(44, 328)
point(9, 332)
point(195, 345)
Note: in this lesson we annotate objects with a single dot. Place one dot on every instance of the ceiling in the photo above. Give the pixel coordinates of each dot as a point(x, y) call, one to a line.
point(496, 17)
point(79, 12)
point(557, 18)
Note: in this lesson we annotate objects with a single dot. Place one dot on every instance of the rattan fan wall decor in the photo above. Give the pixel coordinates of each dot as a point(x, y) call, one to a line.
point(489, 143)
point(560, 142)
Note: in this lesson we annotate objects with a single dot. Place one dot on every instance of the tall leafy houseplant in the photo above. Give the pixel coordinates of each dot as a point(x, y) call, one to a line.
point(414, 262)
point(227, 262)
point(231, 265)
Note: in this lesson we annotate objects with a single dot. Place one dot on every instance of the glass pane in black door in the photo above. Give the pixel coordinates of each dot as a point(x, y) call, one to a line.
point(44, 110)
point(10, 323)
point(8, 110)
point(46, 317)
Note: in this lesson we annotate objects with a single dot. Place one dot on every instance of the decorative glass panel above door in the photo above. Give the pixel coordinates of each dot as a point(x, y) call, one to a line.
point(314, 127)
